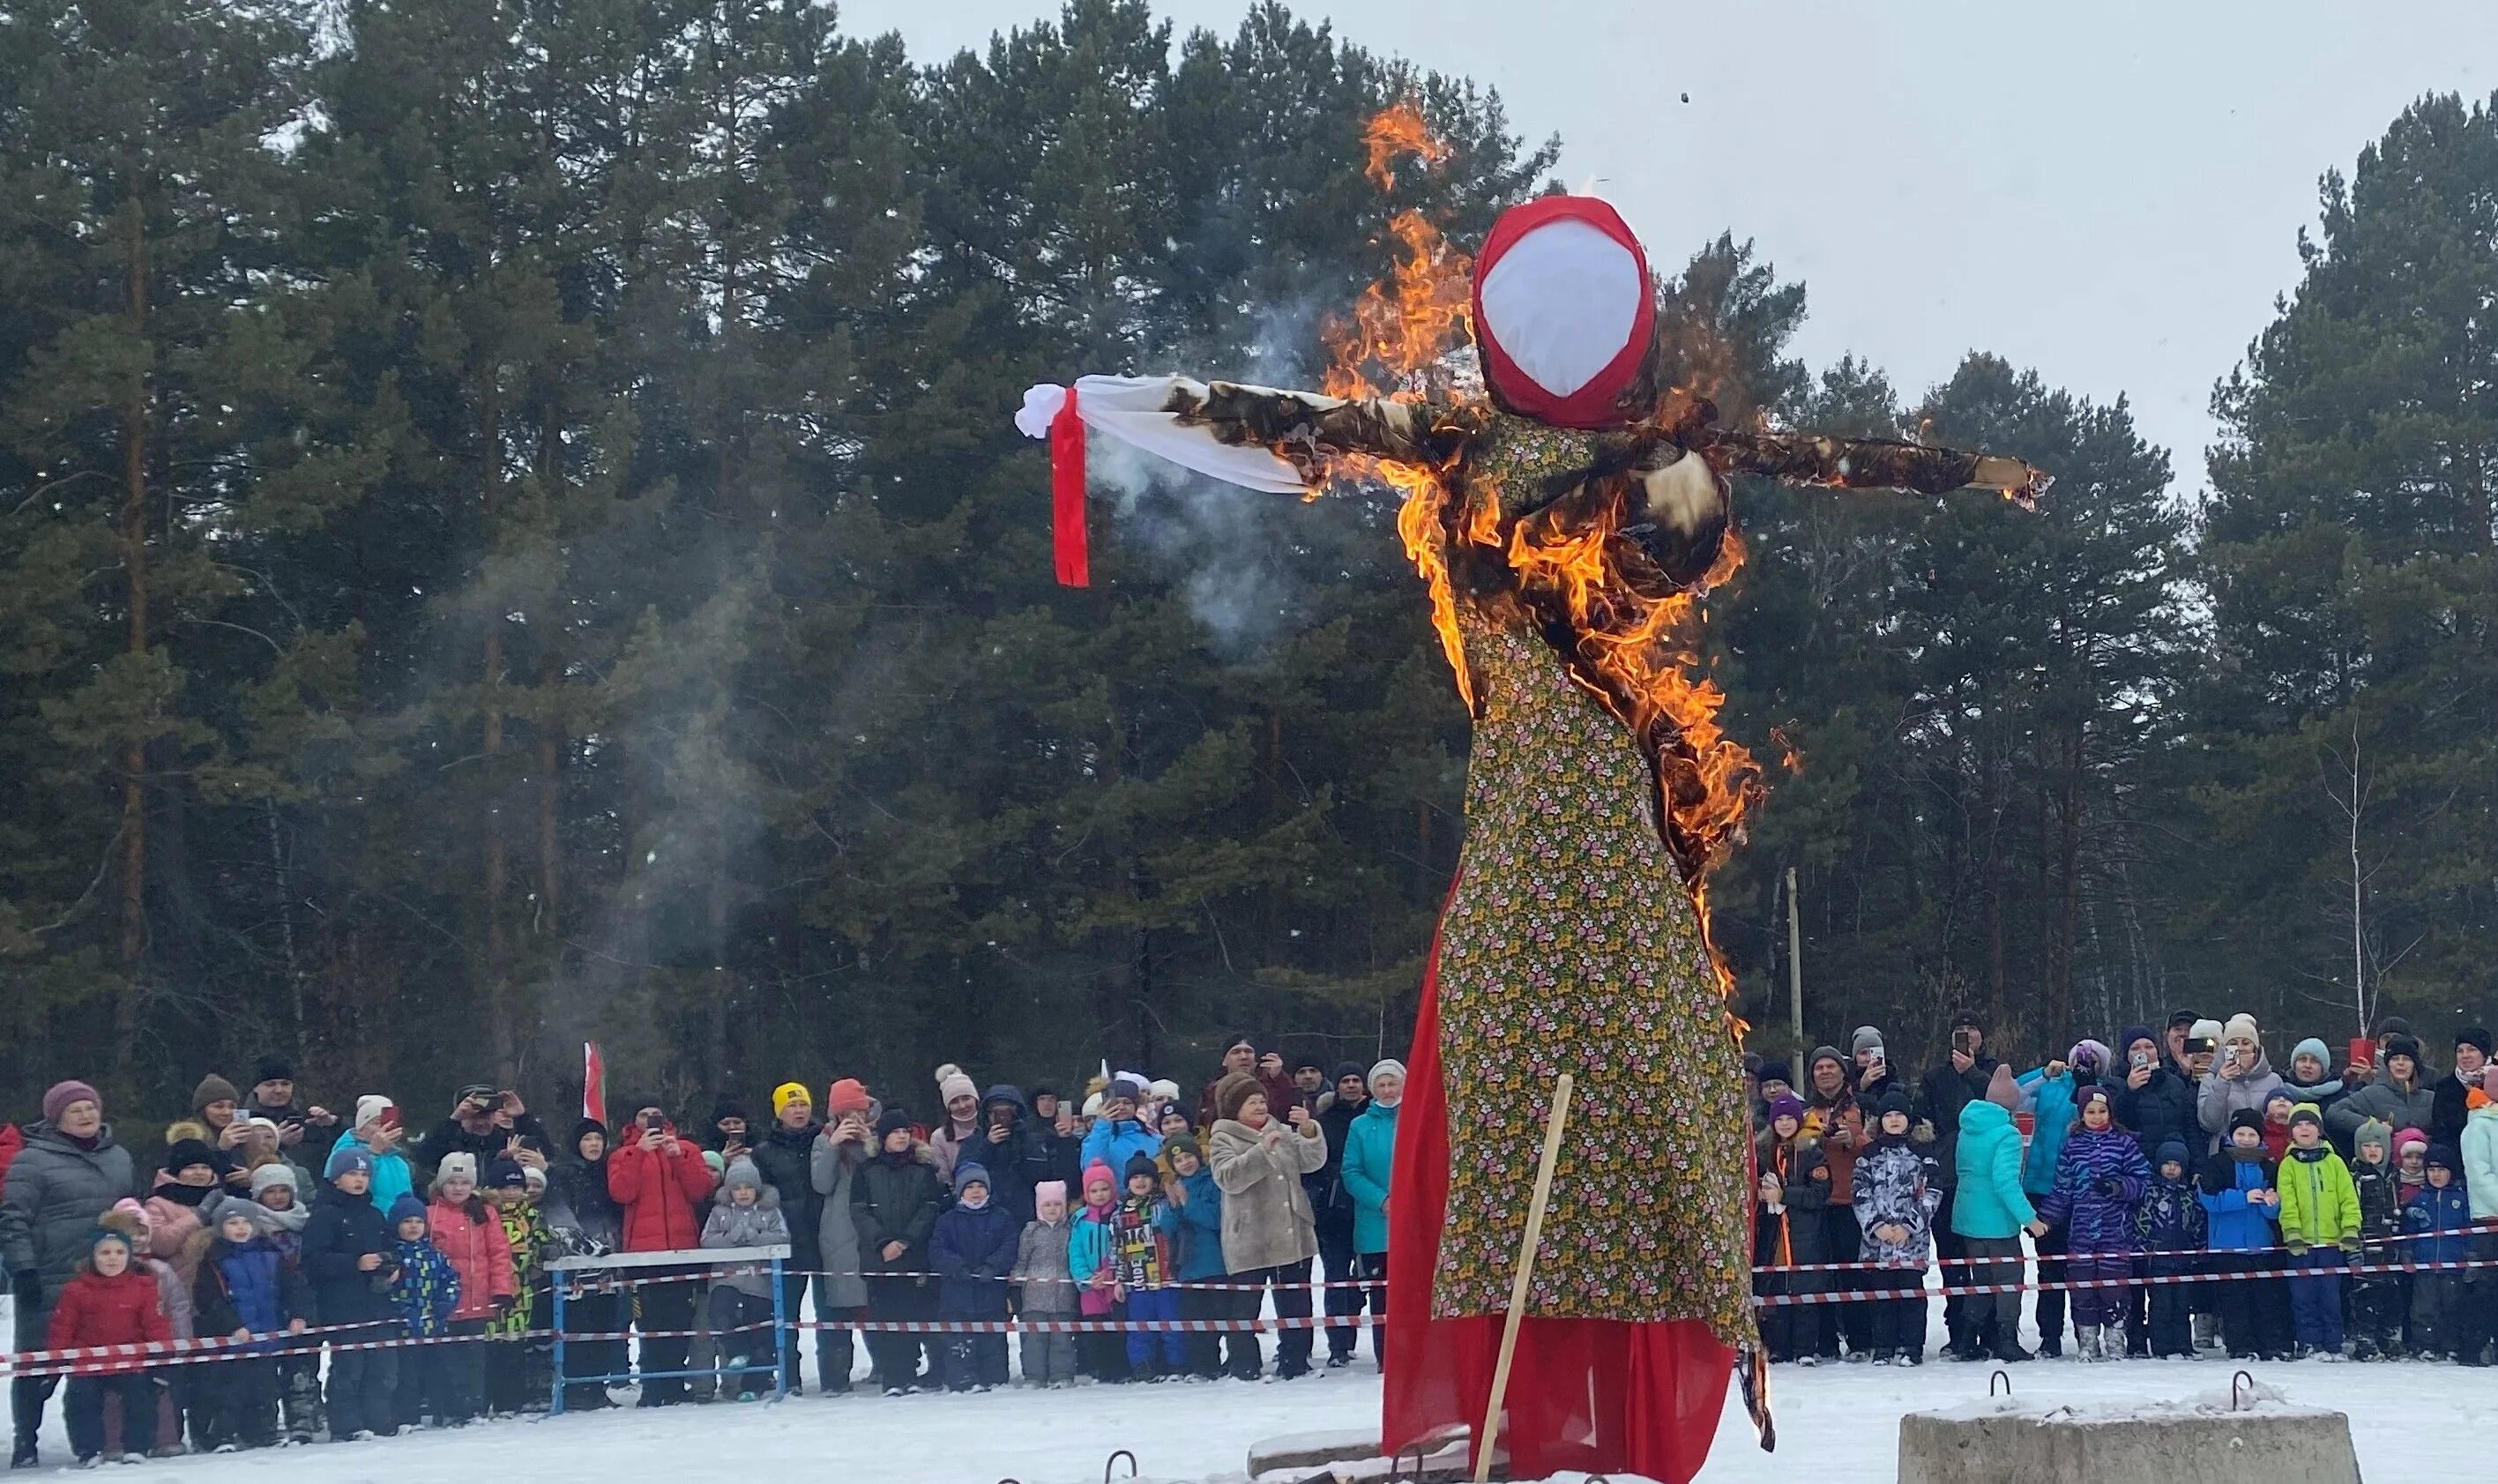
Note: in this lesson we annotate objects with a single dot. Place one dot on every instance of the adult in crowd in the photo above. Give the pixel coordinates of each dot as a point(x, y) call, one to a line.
point(846, 1141)
point(1990, 1210)
point(68, 1174)
point(1060, 1141)
point(661, 1180)
point(1875, 1077)
point(2150, 1096)
point(961, 1098)
point(1310, 1083)
point(1961, 1080)
point(2311, 1079)
point(730, 1133)
point(1369, 1161)
point(485, 1122)
point(1010, 1151)
point(1268, 1233)
point(307, 1134)
point(2400, 1094)
point(1332, 1204)
point(2175, 1040)
point(785, 1157)
point(1836, 1119)
point(1118, 1135)
point(378, 1135)
point(214, 1103)
point(895, 1199)
point(585, 1216)
point(1241, 1058)
point(2242, 1078)
point(2052, 1096)
point(2450, 1107)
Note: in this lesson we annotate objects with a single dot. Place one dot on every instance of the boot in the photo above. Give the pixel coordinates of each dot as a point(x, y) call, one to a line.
point(2207, 1331)
point(23, 1455)
point(2086, 1342)
point(2007, 1345)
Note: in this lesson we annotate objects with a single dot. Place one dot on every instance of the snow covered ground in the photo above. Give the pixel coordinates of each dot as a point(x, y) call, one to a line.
point(1837, 1425)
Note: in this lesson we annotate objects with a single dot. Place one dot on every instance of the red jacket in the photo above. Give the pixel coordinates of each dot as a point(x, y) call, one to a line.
point(99, 1311)
point(478, 1252)
point(661, 1195)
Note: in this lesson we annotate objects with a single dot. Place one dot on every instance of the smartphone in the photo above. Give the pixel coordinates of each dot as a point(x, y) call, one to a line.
point(2142, 1058)
point(1961, 1044)
point(2228, 1056)
point(1876, 1052)
point(649, 1120)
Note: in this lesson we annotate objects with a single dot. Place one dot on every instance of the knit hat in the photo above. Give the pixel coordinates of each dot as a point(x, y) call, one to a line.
point(896, 1116)
point(1306, 1061)
point(2126, 1038)
point(716, 1163)
point(846, 1096)
point(1345, 1069)
point(2475, 1037)
point(505, 1175)
point(1865, 1039)
point(728, 1105)
point(2002, 1090)
point(1100, 1170)
point(2171, 1152)
point(1233, 1092)
point(1388, 1064)
point(106, 1234)
point(964, 1174)
point(1895, 1101)
point(582, 1130)
point(2374, 1131)
point(2246, 1117)
point(372, 1107)
point(1820, 1054)
point(2306, 1112)
point(2084, 1100)
point(2279, 1095)
point(1777, 1072)
point(2404, 1138)
point(2441, 1156)
point(742, 1171)
point(271, 1069)
point(1125, 1086)
point(213, 1088)
point(2241, 1027)
point(1045, 1192)
point(59, 1097)
point(533, 1178)
point(787, 1093)
point(1144, 1164)
point(1092, 1105)
point(276, 1173)
point(407, 1205)
point(1163, 1088)
point(2203, 1036)
point(2404, 1045)
point(345, 1159)
point(951, 1083)
point(2092, 1054)
point(1178, 1142)
point(1786, 1104)
point(456, 1165)
point(2311, 1047)
point(187, 1153)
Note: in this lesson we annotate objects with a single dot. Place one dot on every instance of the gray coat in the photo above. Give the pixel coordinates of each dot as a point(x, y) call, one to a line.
point(2221, 1096)
point(1042, 1268)
point(55, 1192)
point(1266, 1219)
point(830, 1168)
point(2383, 1100)
point(759, 1225)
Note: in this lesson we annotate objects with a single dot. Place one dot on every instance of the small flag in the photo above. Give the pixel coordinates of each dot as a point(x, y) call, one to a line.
point(594, 1083)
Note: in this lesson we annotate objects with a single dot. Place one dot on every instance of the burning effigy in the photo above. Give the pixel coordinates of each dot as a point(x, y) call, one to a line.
point(1567, 514)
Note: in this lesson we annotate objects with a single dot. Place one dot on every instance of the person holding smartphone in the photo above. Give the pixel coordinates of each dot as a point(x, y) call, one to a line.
point(483, 1123)
point(2241, 1078)
point(661, 1181)
point(1944, 1091)
point(833, 1161)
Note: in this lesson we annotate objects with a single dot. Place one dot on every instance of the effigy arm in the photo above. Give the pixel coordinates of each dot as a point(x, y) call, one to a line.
point(1868, 463)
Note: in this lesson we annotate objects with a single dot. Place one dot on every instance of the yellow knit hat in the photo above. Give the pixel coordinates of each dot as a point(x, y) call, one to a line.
point(787, 1093)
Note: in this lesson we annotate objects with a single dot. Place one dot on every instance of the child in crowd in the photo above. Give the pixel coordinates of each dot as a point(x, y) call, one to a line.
point(2169, 1229)
point(246, 1291)
point(1793, 1189)
point(974, 1249)
point(1895, 1189)
point(351, 1260)
point(747, 1214)
point(2320, 1224)
point(517, 1360)
point(469, 1233)
point(1191, 1218)
point(1090, 1260)
point(2377, 1299)
point(2099, 1178)
point(109, 1303)
point(1143, 1263)
point(2278, 1106)
point(279, 1213)
point(137, 1223)
point(426, 1292)
point(894, 1199)
point(1045, 1287)
point(2440, 1217)
point(2411, 1163)
point(2238, 1202)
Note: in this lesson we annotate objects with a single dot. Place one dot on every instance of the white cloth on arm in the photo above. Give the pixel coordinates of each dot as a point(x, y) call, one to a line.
point(1130, 409)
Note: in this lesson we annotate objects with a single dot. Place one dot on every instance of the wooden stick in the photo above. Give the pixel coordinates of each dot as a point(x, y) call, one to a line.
point(1526, 1276)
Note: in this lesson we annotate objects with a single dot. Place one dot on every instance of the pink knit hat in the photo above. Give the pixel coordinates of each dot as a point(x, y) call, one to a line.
point(60, 1095)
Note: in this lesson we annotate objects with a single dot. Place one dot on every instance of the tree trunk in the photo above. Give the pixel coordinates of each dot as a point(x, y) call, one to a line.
point(132, 538)
point(2068, 858)
point(502, 1017)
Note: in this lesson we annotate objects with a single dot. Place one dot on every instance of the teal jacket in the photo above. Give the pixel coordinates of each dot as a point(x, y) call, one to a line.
point(1369, 1150)
point(2480, 1160)
point(1989, 1201)
point(2051, 1103)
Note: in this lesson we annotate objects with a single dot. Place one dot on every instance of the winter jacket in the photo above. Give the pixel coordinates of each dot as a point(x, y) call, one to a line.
point(2221, 1096)
point(1141, 1254)
point(249, 1287)
point(1092, 1248)
point(895, 1198)
point(763, 1224)
point(1839, 1153)
point(176, 1213)
point(471, 1235)
point(1370, 1151)
point(1941, 1096)
point(2381, 1099)
point(448, 1137)
point(1041, 1268)
point(1016, 1163)
point(1196, 1230)
point(2443, 1219)
point(527, 1232)
point(427, 1292)
point(2381, 1204)
point(1989, 1202)
point(1331, 1202)
point(2159, 1110)
point(55, 1193)
point(1116, 1143)
point(2320, 1207)
point(2231, 1223)
point(973, 1253)
point(1266, 1217)
point(579, 1207)
point(1791, 1233)
point(785, 1159)
point(2322, 1095)
point(2099, 1178)
point(2450, 1108)
point(2169, 1220)
point(2049, 1100)
point(662, 1194)
point(2481, 1161)
point(393, 1177)
point(1893, 1184)
point(831, 1168)
point(1280, 1092)
point(342, 1229)
point(98, 1310)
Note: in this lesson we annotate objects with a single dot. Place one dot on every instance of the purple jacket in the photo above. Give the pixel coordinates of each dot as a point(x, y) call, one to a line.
point(2098, 1223)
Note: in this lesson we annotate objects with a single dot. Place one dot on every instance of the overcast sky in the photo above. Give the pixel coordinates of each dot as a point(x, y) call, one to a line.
point(2108, 190)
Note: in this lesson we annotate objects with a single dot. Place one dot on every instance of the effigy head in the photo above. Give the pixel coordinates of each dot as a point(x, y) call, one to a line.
point(1563, 313)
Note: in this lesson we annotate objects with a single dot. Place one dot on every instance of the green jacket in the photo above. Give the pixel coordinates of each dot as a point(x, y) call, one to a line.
point(2319, 1206)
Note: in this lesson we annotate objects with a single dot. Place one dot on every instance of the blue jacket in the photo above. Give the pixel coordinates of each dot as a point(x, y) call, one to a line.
point(248, 1287)
point(2232, 1224)
point(428, 1289)
point(1114, 1145)
point(973, 1252)
point(1194, 1230)
point(2169, 1220)
point(1369, 1150)
point(2448, 1215)
point(1989, 1203)
point(2096, 1224)
point(2051, 1101)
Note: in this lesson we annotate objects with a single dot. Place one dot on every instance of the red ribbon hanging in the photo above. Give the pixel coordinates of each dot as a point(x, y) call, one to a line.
point(1067, 496)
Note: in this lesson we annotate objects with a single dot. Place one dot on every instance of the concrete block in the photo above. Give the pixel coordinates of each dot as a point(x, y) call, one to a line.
point(2265, 1439)
point(1355, 1458)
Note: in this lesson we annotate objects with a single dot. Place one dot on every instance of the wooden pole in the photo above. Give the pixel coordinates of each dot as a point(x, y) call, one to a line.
point(1795, 983)
point(1526, 1276)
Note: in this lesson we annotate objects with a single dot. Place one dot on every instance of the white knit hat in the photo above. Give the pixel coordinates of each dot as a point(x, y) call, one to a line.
point(455, 1166)
point(1384, 1064)
point(276, 1172)
point(370, 1107)
point(1165, 1091)
point(2204, 1030)
point(952, 1084)
point(2241, 1027)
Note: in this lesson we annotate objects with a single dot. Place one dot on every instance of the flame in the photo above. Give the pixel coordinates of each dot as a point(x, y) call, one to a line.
point(1394, 130)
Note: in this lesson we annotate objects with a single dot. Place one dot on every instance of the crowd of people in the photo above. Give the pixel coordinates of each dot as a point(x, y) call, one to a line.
point(2181, 1197)
point(418, 1269)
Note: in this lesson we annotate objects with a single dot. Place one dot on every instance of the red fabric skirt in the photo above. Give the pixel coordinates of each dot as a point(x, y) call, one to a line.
point(1591, 1395)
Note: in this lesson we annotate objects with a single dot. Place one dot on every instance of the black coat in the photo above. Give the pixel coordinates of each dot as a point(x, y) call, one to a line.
point(1330, 1203)
point(2448, 1112)
point(449, 1138)
point(1015, 1167)
point(2159, 1110)
point(1060, 1158)
point(895, 1199)
point(1940, 1097)
point(781, 1157)
point(343, 1228)
point(580, 1204)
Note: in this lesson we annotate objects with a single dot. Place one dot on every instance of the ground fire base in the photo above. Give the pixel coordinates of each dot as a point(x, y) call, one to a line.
point(2247, 1435)
point(1354, 1458)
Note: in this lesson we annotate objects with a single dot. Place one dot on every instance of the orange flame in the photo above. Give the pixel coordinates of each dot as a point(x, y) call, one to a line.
point(1394, 130)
